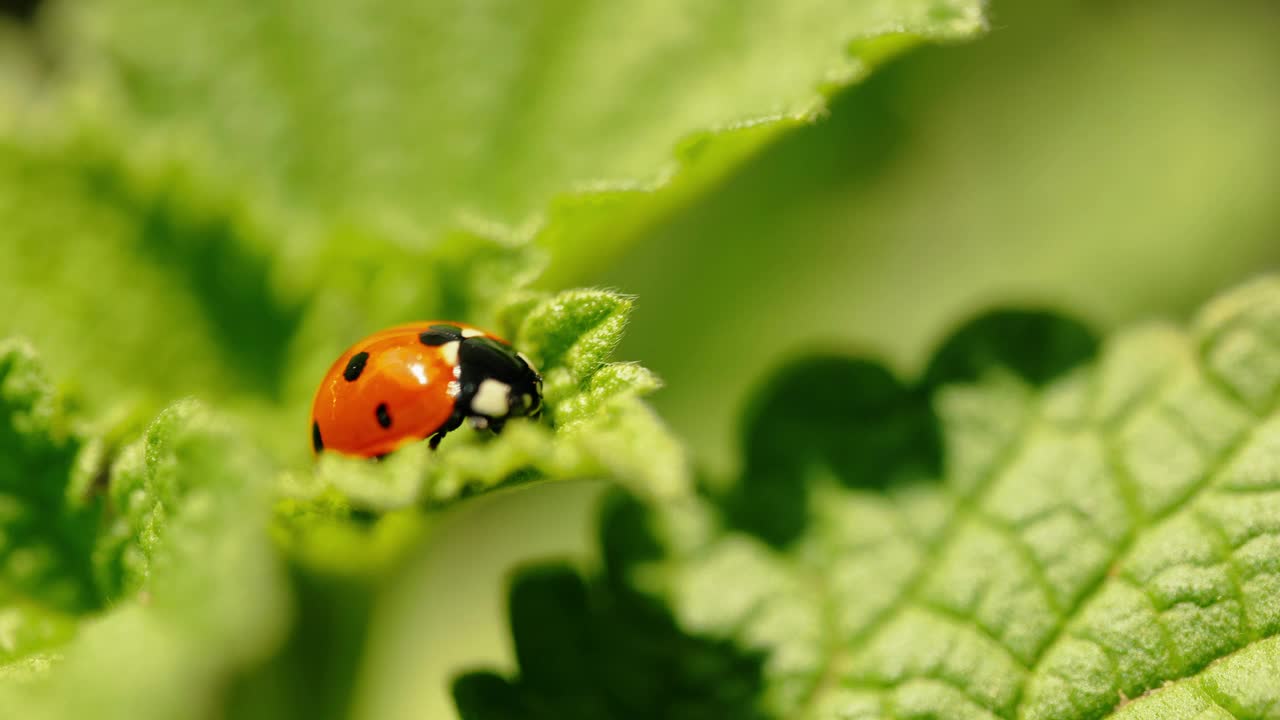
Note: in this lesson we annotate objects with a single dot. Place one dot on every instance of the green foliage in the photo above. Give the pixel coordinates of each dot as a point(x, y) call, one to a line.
point(143, 553)
point(1097, 538)
point(238, 191)
point(407, 120)
point(212, 200)
point(116, 281)
point(49, 523)
point(190, 584)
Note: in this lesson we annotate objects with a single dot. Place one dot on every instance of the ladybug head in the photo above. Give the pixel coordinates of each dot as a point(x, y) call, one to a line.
point(496, 382)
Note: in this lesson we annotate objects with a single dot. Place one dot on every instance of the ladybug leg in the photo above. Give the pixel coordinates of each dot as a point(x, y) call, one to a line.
point(454, 421)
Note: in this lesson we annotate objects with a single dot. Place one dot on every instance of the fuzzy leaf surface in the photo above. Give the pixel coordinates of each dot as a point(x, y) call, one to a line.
point(407, 120)
point(192, 590)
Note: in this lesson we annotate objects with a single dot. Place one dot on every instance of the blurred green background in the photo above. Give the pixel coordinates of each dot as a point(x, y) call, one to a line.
point(1117, 160)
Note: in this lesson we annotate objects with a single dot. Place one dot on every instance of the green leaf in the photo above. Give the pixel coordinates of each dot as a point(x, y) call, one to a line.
point(1240, 685)
point(1096, 534)
point(407, 121)
point(194, 588)
point(49, 526)
point(48, 520)
point(134, 287)
point(224, 230)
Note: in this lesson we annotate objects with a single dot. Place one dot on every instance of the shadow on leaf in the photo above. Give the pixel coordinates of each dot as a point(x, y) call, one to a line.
point(218, 266)
point(853, 418)
point(593, 648)
point(20, 10)
point(48, 530)
point(848, 415)
point(1035, 345)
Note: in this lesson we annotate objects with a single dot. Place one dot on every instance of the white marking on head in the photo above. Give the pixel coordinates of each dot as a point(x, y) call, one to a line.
point(478, 422)
point(471, 332)
point(492, 398)
point(449, 351)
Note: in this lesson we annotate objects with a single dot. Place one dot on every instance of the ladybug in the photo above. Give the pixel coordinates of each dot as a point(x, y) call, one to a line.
point(421, 381)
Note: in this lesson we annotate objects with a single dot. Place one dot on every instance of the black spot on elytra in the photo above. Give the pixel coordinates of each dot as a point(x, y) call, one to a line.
point(317, 442)
point(440, 335)
point(384, 417)
point(355, 366)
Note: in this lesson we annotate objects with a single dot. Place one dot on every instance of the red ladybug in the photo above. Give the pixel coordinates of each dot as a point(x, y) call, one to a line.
point(418, 381)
